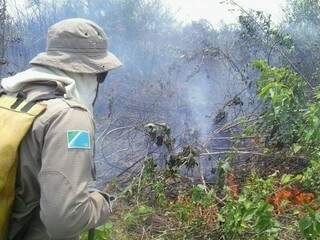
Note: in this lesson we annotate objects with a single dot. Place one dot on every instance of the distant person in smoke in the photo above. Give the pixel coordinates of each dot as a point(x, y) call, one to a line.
point(53, 198)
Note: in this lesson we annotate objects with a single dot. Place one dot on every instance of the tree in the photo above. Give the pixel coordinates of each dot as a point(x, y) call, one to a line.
point(3, 18)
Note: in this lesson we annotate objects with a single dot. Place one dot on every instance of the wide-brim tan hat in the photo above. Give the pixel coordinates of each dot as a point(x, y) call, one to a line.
point(77, 45)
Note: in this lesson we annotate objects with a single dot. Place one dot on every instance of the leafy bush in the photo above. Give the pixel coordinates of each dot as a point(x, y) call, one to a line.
point(310, 225)
point(311, 177)
point(250, 215)
point(310, 130)
point(283, 95)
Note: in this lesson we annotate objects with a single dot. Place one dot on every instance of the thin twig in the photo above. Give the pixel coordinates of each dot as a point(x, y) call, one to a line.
point(283, 54)
point(231, 152)
point(111, 131)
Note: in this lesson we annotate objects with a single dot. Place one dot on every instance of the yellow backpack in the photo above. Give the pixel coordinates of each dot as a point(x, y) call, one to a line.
point(16, 118)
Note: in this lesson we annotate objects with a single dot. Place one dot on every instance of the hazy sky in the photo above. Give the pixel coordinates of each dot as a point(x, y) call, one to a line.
point(213, 10)
point(216, 12)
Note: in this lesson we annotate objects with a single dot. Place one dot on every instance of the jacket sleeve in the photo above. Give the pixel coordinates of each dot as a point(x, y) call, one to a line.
point(67, 207)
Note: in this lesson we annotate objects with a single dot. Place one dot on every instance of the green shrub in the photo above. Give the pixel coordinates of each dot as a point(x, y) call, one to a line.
point(138, 216)
point(311, 177)
point(310, 225)
point(283, 94)
point(250, 215)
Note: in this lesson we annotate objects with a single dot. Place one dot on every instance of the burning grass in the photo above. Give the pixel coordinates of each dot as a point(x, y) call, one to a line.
point(157, 205)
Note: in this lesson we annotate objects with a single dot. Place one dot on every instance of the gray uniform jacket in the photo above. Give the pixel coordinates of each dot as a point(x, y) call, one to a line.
point(52, 196)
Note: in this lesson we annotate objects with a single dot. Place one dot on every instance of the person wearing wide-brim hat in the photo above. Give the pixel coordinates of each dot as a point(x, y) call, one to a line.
point(77, 45)
point(56, 164)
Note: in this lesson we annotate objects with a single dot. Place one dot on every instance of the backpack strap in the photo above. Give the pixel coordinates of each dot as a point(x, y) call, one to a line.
point(21, 97)
point(31, 104)
point(20, 105)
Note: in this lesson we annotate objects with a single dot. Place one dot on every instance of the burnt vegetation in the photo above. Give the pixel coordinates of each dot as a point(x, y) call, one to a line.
point(206, 132)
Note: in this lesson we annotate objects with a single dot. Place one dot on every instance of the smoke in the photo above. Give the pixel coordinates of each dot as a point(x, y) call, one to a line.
point(198, 97)
point(180, 75)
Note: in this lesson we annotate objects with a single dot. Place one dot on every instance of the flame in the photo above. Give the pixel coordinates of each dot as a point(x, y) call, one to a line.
point(293, 196)
point(231, 183)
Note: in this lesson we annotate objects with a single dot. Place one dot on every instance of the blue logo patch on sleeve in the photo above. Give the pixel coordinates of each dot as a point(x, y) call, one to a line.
point(78, 139)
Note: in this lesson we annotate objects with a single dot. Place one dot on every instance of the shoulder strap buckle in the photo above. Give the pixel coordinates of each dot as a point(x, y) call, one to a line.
point(21, 96)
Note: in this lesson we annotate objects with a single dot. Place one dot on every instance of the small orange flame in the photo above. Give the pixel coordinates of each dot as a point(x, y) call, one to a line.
point(293, 195)
point(231, 183)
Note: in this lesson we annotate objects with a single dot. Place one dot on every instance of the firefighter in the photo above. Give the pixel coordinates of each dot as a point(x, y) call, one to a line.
point(53, 196)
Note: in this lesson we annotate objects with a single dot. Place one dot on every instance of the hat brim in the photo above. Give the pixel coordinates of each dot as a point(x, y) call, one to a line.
point(77, 62)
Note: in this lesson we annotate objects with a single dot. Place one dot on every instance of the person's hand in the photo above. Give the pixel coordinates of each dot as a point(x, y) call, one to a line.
point(110, 198)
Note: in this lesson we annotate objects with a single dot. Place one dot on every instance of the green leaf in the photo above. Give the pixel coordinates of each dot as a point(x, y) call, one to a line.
point(285, 179)
point(296, 148)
